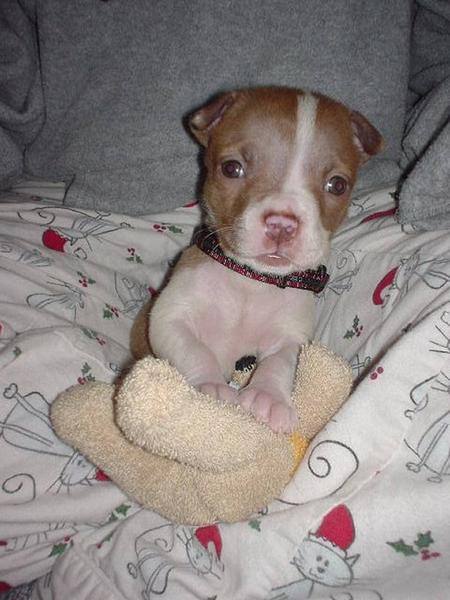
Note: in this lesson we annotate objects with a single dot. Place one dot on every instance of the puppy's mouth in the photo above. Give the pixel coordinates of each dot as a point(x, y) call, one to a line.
point(271, 262)
point(274, 260)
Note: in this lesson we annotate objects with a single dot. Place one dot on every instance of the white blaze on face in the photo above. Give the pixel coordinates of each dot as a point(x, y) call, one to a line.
point(310, 247)
point(303, 144)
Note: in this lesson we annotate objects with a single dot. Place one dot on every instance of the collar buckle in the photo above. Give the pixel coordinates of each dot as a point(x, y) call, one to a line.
point(282, 281)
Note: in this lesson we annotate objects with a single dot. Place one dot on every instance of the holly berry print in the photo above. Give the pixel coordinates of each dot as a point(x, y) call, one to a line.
point(110, 312)
point(419, 548)
point(93, 335)
point(133, 256)
point(356, 329)
point(164, 227)
point(86, 374)
point(60, 547)
point(84, 280)
point(376, 373)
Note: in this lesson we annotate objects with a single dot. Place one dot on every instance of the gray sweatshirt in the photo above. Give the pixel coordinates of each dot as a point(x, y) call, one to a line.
point(94, 92)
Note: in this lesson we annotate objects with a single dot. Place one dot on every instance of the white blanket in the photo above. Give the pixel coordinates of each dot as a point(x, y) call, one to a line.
point(366, 515)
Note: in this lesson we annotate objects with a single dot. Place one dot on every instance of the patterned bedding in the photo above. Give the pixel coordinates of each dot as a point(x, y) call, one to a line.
point(366, 515)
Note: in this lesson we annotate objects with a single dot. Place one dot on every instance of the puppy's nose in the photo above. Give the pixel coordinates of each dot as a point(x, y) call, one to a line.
point(281, 227)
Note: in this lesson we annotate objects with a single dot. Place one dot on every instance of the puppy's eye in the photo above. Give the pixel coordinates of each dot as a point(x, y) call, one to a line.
point(336, 185)
point(232, 169)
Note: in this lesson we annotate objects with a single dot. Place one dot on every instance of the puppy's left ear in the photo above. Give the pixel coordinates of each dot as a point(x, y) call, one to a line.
point(203, 121)
point(368, 140)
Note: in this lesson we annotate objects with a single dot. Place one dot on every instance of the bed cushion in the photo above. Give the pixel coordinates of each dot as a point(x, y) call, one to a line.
point(118, 77)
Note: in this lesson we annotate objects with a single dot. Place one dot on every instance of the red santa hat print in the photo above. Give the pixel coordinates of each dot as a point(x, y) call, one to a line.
point(337, 527)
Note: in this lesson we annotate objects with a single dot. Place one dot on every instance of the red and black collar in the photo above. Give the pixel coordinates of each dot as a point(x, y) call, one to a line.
point(313, 280)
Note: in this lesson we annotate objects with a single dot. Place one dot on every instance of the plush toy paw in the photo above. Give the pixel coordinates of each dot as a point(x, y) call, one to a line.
point(267, 408)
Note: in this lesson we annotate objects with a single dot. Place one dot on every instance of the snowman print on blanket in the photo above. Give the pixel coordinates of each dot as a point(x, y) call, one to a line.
point(323, 561)
point(168, 547)
point(394, 285)
point(430, 438)
point(26, 426)
point(72, 231)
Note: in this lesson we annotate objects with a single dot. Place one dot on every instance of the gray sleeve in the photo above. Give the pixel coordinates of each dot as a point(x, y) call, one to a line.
point(21, 98)
point(424, 199)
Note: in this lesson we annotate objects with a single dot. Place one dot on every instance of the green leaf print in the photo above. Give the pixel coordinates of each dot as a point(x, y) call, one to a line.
point(424, 540)
point(255, 524)
point(403, 548)
point(58, 549)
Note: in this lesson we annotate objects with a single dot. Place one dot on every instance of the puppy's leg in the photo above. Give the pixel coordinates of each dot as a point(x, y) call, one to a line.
point(193, 359)
point(139, 342)
point(268, 395)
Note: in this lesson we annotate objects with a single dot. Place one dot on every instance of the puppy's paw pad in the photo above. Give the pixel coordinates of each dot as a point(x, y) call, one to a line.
point(219, 391)
point(266, 408)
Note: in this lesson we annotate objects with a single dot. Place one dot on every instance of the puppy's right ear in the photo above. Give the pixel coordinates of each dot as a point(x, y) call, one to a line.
point(368, 140)
point(203, 121)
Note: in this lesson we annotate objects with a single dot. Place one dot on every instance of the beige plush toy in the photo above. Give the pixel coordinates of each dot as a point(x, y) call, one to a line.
point(185, 455)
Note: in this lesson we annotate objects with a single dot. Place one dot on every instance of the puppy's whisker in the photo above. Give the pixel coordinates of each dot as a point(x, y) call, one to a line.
point(218, 230)
point(221, 230)
point(205, 233)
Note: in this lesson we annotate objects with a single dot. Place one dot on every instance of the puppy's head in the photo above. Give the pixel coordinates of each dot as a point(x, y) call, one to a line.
point(281, 164)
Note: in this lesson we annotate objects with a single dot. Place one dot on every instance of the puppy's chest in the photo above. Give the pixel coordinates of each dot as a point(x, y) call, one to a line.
point(230, 309)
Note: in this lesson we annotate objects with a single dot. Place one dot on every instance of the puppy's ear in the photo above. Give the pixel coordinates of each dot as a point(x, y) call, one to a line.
point(368, 140)
point(203, 121)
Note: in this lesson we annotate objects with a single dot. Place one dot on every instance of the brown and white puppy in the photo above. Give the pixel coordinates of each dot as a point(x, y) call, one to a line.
point(281, 164)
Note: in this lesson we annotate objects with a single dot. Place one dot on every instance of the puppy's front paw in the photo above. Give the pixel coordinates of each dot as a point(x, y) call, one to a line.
point(220, 391)
point(266, 408)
